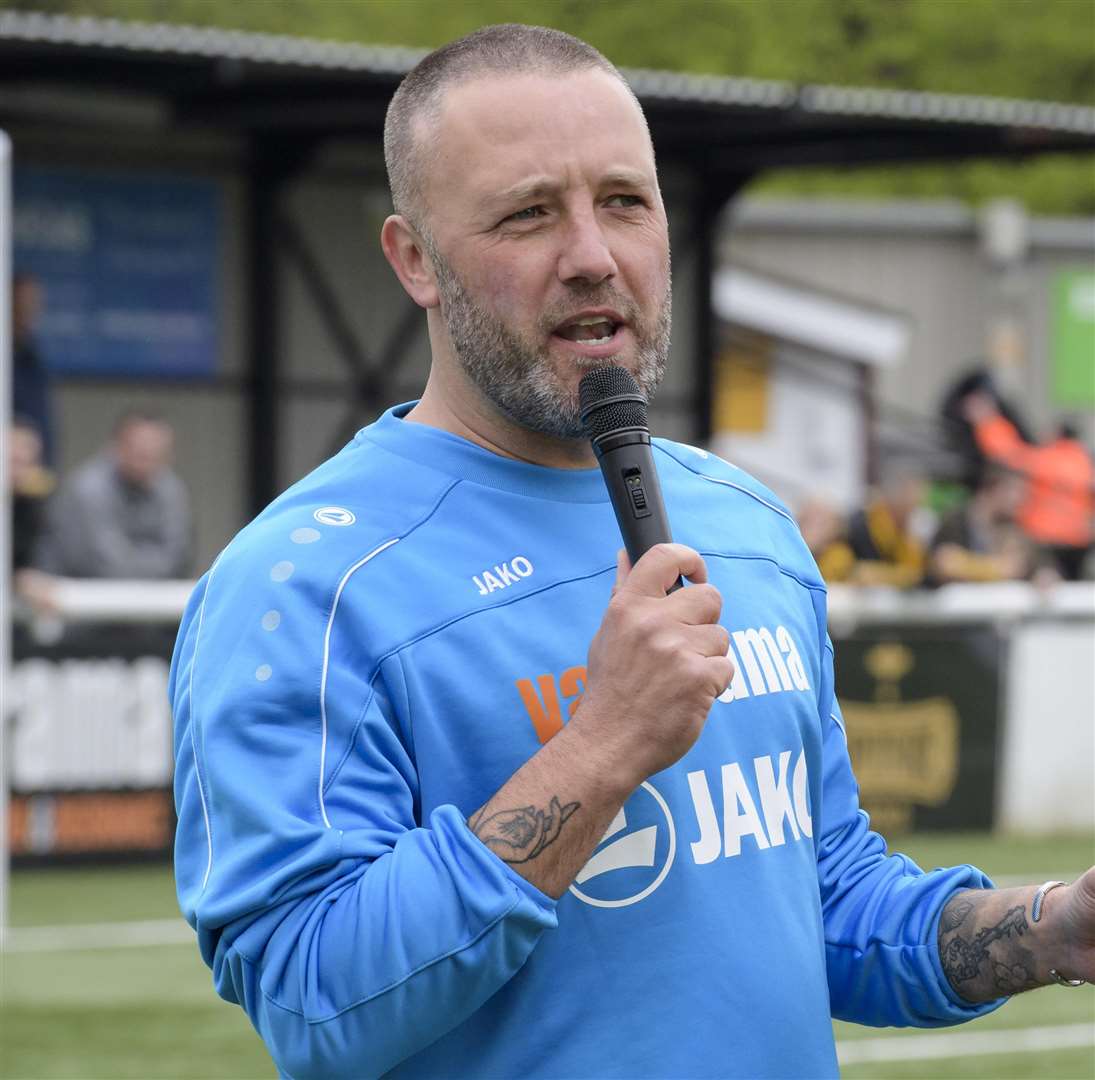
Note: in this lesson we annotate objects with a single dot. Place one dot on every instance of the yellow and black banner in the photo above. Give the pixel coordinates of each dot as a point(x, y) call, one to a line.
point(922, 712)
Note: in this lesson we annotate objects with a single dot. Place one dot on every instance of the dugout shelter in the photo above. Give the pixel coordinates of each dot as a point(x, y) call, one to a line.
point(311, 335)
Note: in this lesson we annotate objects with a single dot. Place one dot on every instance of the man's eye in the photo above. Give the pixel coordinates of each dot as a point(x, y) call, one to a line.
point(625, 201)
point(528, 214)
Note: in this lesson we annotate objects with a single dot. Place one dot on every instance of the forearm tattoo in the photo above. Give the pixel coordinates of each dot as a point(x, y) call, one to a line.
point(519, 835)
point(983, 958)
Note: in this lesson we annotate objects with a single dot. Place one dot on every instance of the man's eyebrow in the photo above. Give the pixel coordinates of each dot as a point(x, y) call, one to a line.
point(535, 187)
point(632, 178)
point(539, 187)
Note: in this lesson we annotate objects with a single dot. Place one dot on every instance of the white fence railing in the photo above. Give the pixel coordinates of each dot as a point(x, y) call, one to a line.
point(163, 602)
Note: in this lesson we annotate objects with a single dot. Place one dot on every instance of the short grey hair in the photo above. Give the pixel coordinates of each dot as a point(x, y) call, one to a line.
point(505, 49)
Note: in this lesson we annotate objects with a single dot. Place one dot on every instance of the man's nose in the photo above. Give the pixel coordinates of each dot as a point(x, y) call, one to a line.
point(586, 255)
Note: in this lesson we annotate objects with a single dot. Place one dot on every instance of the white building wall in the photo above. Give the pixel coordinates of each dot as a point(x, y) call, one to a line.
point(1048, 742)
point(925, 261)
point(813, 445)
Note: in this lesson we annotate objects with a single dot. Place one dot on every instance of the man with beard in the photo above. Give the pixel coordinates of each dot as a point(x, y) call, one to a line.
point(447, 766)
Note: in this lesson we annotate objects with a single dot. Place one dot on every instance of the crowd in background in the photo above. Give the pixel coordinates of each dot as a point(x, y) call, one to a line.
point(1020, 511)
point(123, 513)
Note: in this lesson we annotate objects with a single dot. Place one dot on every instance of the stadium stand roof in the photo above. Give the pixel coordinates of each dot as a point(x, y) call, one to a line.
point(253, 82)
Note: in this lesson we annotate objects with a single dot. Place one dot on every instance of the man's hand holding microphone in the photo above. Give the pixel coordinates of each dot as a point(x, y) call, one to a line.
point(655, 667)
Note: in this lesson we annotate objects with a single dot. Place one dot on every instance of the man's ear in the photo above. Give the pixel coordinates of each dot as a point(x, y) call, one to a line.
point(403, 248)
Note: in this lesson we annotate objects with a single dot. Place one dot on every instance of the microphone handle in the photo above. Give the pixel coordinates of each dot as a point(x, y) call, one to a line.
point(627, 465)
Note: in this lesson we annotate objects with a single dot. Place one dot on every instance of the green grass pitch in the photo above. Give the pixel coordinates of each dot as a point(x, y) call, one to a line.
point(150, 1012)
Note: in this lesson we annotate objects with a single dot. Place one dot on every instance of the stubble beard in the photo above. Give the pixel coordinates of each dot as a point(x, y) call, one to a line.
point(520, 378)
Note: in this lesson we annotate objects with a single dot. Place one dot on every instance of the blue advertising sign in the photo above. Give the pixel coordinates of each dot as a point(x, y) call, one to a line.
point(129, 265)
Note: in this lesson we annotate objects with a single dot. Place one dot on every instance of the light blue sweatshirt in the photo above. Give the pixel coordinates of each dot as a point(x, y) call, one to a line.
point(378, 652)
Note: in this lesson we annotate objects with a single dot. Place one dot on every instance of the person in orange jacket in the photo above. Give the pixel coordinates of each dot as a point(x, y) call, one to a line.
point(1058, 510)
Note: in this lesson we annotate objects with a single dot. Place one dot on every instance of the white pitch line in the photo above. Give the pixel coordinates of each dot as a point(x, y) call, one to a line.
point(966, 1044)
point(26, 939)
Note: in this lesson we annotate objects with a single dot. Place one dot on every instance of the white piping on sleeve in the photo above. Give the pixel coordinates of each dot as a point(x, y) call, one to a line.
point(751, 494)
point(193, 725)
point(326, 660)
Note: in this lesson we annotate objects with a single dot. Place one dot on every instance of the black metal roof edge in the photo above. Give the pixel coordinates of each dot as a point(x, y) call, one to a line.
point(955, 108)
point(884, 217)
point(710, 89)
point(218, 44)
point(207, 42)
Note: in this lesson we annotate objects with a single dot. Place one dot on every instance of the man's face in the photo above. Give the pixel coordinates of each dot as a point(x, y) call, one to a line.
point(26, 304)
point(907, 493)
point(24, 455)
point(1006, 494)
point(142, 450)
point(550, 241)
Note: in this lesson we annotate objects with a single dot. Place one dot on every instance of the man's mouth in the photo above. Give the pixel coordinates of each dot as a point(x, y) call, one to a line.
point(591, 330)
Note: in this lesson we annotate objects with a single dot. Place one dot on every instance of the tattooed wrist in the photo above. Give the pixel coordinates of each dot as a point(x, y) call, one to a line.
point(521, 834)
point(986, 945)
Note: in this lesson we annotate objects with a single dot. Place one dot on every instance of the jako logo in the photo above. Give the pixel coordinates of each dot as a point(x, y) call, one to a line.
point(503, 575)
point(334, 515)
point(626, 869)
point(768, 807)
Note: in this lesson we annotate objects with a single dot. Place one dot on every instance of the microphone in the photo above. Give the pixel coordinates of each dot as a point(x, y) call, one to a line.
point(613, 411)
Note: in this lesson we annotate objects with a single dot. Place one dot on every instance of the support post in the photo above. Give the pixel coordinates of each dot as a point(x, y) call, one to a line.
point(271, 164)
point(714, 194)
point(6, 345)
point(263, 361)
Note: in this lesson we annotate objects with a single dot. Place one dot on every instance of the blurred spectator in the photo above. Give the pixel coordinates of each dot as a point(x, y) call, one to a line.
point(30, 389)
point(883, 535)
point(959, 431)
point(31, 484)
point(981, 541)
point(1058, 508)
point(824, 530)
point(125, 513)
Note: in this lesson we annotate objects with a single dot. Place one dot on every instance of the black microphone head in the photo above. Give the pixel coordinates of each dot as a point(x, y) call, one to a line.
point(610, 400)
